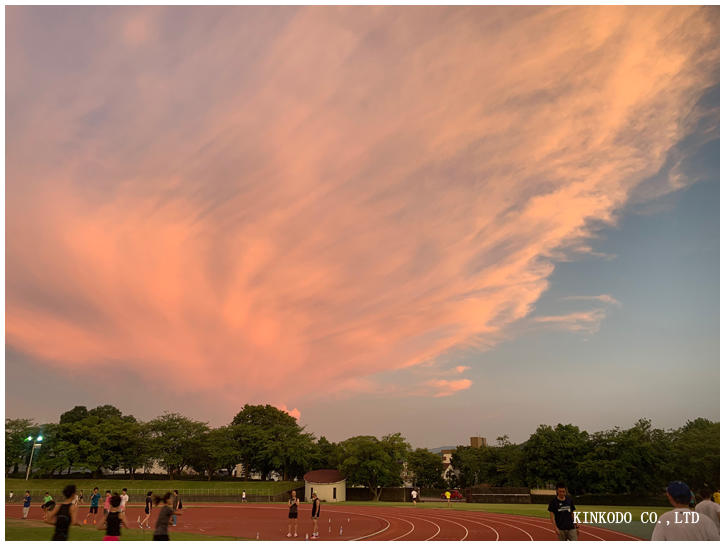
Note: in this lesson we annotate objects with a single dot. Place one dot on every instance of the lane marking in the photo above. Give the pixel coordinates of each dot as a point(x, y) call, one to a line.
point(481, 523)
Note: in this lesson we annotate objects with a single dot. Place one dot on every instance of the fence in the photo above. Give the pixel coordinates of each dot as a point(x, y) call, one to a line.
point(387, 494)
point(498, 495)
point(609, 500)
point(198, 494)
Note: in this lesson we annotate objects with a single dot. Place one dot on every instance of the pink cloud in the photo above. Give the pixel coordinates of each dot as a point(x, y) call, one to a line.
point(444, 387)
point(304, 199)
point(587, 321)
point(461, 369)
point(293, 412)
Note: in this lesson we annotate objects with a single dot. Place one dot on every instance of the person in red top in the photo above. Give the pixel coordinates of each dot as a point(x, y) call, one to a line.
point(107, 503)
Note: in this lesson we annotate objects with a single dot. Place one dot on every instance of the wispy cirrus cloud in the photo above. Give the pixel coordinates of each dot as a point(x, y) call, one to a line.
point(307, 197)
point(579, 321)
point(603, 298)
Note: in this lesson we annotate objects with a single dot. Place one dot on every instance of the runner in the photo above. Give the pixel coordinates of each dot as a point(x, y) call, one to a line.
point(293, 503)
point(147, 511)
point(10, 496)
point(94, 506)
point(107, 503)
point(315, 515)
point(244, 495)
point(175, 505)
point(26, 504)
point(64, 514)
point(113, 520)
point(48, 504)
point(561, 512)
point(161, 530)
point(448, 498)
point(414, 495)
point(124, 499)
point(80, 497)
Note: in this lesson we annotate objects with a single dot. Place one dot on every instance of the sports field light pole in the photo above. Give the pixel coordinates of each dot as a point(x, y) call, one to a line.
point(38, 442)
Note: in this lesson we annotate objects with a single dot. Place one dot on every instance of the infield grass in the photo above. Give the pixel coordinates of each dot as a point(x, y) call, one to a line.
point(38, 487)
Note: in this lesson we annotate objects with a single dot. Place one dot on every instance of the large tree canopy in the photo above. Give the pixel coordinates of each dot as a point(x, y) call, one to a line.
point(374, 463)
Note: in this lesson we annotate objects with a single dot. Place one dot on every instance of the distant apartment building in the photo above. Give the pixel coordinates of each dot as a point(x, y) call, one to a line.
point(447, 456)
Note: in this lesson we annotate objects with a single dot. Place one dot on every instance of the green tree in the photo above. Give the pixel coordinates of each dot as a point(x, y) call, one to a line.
point(324, 455)
point(16, 445)
point(270, 439)
point(374, 463)
point(645, 455)
point(508, 460)
point(600, 470)
point(78, 413)
point(106, 412)
point(468, 461)
point(214, 450)
point(426, 468)
point(553, 454)
point(696, 454)
point(175, 439)
point(135, 447)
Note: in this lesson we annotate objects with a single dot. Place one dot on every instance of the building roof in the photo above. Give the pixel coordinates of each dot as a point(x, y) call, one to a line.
point(324, 476)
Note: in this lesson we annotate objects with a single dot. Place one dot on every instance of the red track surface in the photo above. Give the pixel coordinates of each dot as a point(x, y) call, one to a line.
point(357, 523)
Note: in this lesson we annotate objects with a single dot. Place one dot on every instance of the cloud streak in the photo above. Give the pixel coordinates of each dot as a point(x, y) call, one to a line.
point(308, 197)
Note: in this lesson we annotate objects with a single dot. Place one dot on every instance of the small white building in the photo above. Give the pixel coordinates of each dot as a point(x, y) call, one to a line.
point(328, 484)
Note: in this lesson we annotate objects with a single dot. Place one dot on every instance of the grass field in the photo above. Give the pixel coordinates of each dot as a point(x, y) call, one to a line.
point(34, 530)
point(37, 487)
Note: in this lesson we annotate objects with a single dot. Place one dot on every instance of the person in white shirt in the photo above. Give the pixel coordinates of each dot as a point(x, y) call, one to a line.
point(124, 499)
point(683, 523)
point(414, 494)
point(707, 507)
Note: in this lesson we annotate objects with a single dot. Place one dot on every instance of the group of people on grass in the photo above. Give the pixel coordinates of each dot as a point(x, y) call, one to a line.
point(63, 515)
point(672, 525)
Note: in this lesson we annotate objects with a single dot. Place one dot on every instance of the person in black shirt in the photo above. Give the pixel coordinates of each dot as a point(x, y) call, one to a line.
point(63, 515)
point(147, 511)
point(561, 509)
point(315, 515)
point(113, 520)
point(161, 532)
point(293, 504)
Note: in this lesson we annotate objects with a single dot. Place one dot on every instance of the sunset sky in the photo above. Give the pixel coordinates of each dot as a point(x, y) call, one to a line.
point(439, 221)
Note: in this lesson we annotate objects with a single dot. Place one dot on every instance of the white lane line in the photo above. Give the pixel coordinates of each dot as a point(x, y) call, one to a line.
point(521, 520)
point(399, 511)
point(480, 523)
point(456, 523)
point(412, 528)
point(427, 521)
point(376, 532)
point(607, 530)
point(514, 526)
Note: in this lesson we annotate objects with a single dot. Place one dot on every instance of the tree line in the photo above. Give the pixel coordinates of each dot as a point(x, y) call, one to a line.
point(638, 460)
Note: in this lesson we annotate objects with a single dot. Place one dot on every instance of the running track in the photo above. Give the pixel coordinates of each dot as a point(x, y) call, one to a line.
point(358, 523)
